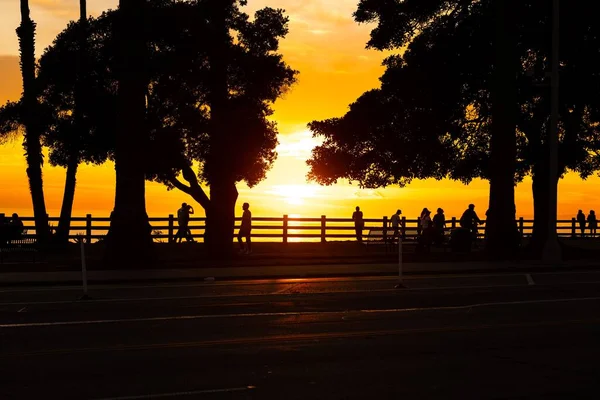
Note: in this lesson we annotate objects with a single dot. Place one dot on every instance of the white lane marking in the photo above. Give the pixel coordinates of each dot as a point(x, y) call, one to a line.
point(181, 394)
point(22, 309)
point(297, 313)
point(530, 280)
point(278, 293)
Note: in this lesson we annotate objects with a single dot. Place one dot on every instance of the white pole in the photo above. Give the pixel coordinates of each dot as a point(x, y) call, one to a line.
point(84, 271)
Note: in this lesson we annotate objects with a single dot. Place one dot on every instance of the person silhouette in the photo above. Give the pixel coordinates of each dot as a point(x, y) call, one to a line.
point(16, 225)
point(592, 223)
point(359, 223)
point(183, 219)
point(245, 229)
point(439, 224)
point(395, 223)
point(470, 220)
point(581, 221)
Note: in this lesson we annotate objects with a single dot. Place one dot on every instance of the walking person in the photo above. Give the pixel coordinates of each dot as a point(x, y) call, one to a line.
point(581, 221)
point(395, 223)
point(183, 220)
point(245, 229)
point(359, 223)
point(592, 223)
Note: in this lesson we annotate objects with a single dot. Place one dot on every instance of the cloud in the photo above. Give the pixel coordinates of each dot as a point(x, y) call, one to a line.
point(298, 145)
point(58, 8)
point(10, 89)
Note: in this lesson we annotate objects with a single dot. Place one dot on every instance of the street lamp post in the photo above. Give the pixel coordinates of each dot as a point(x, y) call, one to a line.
point(552, 253)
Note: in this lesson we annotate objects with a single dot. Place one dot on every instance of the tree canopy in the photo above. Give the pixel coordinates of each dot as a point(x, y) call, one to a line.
point(432, 116)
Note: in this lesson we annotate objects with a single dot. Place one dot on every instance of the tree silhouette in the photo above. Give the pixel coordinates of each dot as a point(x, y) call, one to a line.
point(76, 111)
point(130, 232)
point(212, 107)
point(440, 94)
point(178, 114)
point(32, 144)
point(400, 22)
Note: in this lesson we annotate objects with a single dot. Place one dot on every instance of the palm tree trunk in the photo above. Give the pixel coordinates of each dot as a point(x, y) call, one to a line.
point(501, 228)
point(64, 223)
point(130, 232)
point(32, 144)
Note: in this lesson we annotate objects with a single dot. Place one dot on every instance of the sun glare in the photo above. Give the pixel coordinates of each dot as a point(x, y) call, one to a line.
point(296, 195)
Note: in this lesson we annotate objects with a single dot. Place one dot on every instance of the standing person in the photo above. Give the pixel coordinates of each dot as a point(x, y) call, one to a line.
point(439, 224)
point(395, 223)
point(592, 223)
point(581, 221)
point(245, 229)
point(470, 220)
point(359, 224)
point(183, 219)
point(424, 221)
point(16, 225)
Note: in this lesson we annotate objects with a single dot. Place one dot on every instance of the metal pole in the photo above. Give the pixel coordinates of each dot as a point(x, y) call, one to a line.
point(84, 272)
point(552, 253)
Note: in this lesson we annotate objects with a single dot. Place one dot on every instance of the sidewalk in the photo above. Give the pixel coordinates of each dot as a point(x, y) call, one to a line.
point(281, 272)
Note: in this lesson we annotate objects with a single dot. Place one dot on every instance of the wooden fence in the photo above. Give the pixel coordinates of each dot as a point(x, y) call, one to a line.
point(281, 229)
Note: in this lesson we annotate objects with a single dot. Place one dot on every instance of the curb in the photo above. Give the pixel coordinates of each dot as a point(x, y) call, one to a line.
point(424, 273)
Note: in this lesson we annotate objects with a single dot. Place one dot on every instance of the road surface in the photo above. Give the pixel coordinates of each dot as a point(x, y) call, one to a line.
point(465, 337)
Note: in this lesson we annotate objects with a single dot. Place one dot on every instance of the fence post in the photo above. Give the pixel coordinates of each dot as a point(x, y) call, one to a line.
point(384, 229)
point(453, 223)
point(521, 226)
point(323, 228)
point(285, 228)
point(171, 227)
point(88, 228)
point(573, 227)
point(403, 228)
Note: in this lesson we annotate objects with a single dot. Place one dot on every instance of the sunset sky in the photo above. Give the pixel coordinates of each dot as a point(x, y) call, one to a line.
point(328, 48)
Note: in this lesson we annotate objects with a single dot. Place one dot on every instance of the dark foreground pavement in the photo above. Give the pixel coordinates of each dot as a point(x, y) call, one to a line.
point(464, 337)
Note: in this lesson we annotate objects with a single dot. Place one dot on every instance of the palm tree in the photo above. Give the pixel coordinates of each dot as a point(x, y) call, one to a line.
point(32, 144)
point(64, 224)
point(130, 233)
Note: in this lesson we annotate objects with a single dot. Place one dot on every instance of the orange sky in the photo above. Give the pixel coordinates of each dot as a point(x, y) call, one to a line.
point(327, 47)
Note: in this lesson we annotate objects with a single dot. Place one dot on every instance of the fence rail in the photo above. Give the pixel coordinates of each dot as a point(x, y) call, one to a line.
point(282, 228)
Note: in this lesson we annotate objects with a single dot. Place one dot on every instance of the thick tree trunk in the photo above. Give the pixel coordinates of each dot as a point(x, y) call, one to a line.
point(541, 204)
point(501, 228)
point(223, 193)
point(33, 147)
point(130, 232)
point(64, 223)
point(220, 219)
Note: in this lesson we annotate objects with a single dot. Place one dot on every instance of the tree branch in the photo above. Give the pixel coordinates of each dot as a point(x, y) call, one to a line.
point(194, 189)
point(179, 185)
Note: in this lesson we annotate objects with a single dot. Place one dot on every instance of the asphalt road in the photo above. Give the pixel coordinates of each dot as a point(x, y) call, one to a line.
point(464, 337)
